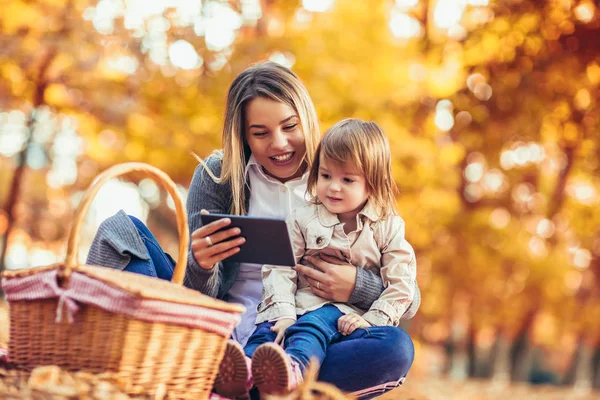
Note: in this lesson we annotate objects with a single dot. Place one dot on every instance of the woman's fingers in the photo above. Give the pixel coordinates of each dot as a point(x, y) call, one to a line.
point(211, 228)
point(217, 252)
point(311, 273)
point(324, 266)
point(216, 244)
point(210, 262)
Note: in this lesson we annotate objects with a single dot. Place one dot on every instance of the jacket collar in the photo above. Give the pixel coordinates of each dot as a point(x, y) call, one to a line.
point(329, 219)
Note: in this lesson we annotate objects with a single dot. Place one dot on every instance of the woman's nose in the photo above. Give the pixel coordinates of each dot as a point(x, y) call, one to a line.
point(279, 140)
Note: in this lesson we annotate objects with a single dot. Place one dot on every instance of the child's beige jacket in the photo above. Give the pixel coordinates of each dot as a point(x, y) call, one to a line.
point(377, 244)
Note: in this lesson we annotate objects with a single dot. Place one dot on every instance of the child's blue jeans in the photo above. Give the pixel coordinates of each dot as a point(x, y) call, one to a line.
point(366, 363)
point(308, 338)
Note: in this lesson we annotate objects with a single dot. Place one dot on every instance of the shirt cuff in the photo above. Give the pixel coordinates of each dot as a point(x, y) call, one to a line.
point(377, 318)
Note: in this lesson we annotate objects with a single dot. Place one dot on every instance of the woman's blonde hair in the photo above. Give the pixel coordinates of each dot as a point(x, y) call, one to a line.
point(364, 146)
point(272, 81)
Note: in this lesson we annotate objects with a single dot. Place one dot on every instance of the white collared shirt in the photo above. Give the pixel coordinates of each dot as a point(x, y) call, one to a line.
point(269, 198)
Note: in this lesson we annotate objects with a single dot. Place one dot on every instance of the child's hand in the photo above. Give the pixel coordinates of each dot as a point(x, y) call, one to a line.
point(280, 327)
point(350, 322)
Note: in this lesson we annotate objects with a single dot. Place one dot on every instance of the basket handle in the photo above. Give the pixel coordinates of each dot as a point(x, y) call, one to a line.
point(166, 183)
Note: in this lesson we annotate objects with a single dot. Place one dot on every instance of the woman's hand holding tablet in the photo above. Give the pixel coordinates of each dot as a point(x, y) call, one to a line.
point(267, 240)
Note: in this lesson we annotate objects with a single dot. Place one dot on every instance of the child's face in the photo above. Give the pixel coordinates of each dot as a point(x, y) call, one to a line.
point(342, 189)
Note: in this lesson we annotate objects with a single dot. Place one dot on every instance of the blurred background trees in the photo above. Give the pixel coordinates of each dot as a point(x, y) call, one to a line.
point(491, 108)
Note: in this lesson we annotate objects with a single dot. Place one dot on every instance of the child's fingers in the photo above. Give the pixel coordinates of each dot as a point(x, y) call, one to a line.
point(352, 327)
point(343, 325)
point(340, 323)
point(279, 338)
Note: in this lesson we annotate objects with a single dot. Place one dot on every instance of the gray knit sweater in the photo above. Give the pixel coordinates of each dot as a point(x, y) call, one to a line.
point(117, 239)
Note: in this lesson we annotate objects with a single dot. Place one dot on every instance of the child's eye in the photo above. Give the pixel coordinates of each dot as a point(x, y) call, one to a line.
point(325, 176)
point(290, 127)
point(348, 180)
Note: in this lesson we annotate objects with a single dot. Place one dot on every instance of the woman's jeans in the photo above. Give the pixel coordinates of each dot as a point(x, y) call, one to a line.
point(366, 363)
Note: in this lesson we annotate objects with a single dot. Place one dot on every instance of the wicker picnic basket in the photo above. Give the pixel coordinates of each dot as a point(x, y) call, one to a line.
point(149, 332)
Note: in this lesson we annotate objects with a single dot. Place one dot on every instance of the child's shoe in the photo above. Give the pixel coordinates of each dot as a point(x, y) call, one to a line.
point(273, 371)
point(234, 378)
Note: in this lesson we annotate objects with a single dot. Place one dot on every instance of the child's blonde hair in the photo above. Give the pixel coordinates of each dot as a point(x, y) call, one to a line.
point(271, 81)
point(364, 146)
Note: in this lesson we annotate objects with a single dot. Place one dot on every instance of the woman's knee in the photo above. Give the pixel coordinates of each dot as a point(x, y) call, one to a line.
point(399, 347)
point(403, 349)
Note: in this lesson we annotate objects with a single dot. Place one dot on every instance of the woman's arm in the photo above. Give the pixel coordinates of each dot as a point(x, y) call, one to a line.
point(205, 194)
point(339, 281)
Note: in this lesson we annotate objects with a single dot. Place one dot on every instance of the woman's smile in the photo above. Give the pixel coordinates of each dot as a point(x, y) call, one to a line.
point(283, 159)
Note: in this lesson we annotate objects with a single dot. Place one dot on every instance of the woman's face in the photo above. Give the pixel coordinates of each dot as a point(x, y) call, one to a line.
point(275, 137)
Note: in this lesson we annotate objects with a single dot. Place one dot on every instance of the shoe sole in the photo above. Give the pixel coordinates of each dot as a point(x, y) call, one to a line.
point(271, 369)
point(232, 377)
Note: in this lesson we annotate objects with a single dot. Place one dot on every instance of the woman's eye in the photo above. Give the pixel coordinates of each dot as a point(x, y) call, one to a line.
point(289, 127)
point(259, 133)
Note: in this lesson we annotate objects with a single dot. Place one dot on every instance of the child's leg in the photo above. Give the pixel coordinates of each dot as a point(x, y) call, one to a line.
point(276, 371)
point(262, 334)
point(312, 334)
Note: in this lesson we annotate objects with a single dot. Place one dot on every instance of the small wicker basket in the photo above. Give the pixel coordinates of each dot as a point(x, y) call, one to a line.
point(149, 332)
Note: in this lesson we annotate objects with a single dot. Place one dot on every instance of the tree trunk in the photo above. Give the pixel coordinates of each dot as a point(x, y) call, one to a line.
point(500, 360)
point(13, 196)
point(521, 351)
point(581, 372)
point(15, 187)
point(596, 368)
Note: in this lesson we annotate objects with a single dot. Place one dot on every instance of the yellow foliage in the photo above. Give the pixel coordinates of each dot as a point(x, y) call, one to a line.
point(57, 95)
point(21, 14)
point(451, 155)
point(140, 125)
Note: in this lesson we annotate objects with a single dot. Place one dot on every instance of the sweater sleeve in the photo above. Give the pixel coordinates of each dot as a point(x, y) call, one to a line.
point(367, 289)
point(214, 197)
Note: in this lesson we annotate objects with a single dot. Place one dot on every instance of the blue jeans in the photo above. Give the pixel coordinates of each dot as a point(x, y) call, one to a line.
point(368, 362)
point(160, 265)
point(309, 337)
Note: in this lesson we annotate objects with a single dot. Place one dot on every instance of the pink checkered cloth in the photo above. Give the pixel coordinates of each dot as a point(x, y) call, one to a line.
point(83, 289)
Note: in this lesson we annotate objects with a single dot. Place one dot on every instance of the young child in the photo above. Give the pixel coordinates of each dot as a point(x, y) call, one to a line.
point(352, 218)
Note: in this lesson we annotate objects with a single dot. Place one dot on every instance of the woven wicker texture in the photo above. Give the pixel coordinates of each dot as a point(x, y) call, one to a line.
point(144, 354)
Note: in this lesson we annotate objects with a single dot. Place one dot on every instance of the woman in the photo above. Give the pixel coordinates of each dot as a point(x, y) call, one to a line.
point(269, 139)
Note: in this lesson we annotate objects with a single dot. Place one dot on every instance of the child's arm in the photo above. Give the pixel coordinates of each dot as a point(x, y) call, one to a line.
point(280, 284)
point(398, 271)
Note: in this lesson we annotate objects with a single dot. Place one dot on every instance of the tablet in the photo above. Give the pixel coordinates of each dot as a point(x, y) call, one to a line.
point(267, 239)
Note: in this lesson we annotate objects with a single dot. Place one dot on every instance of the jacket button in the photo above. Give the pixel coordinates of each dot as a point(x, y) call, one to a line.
point(319, 240)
